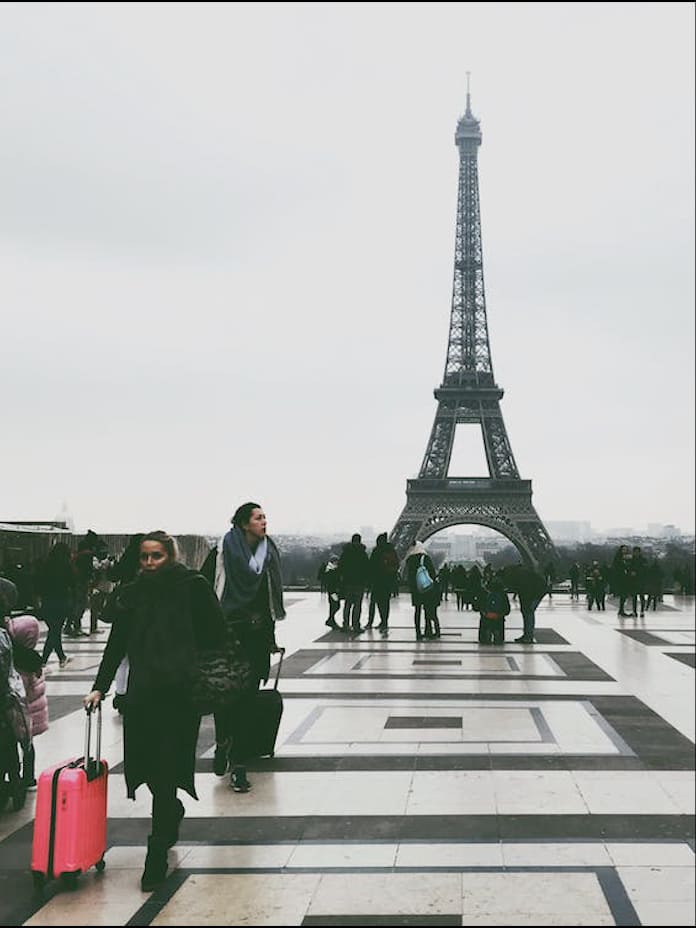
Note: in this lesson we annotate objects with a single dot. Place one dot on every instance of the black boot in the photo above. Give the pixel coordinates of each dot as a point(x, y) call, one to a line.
point(155, 871)
point(171, 836)
point(221, 760)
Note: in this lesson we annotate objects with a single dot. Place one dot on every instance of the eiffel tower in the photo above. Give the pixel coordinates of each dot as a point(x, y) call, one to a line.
point(469, 394)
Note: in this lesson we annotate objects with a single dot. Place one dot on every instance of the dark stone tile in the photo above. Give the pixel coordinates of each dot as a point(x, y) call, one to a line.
point(434, 663)
point(683, 656)
point(615, 893)
point(598, 827)
point(652, 739)
point(577, 666)
point(642, 636)
point(423, 721)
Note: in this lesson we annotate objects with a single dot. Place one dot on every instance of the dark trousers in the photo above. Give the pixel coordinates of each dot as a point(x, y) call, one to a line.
point(528, 609)
point(334, 606)
point(491, 631)
point(382, 599)
point(79, 606)
point(54, 612)
point(234, 724)
point(165, 808)
point(432, 623)
point(352, 608)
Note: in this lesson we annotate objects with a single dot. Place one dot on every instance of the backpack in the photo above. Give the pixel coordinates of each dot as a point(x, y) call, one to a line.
point(495, 606)
point(424, 581)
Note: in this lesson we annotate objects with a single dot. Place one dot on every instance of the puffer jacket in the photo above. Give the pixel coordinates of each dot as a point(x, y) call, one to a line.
point(24, 630)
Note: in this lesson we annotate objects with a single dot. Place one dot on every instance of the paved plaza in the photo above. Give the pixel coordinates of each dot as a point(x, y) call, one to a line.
point(416, 783)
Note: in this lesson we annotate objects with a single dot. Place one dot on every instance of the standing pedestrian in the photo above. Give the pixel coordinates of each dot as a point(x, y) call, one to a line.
point(530, 587)
point(331, 580)
point(354, 567)
point(384, 567)
point(423, 600)
point(249, 583)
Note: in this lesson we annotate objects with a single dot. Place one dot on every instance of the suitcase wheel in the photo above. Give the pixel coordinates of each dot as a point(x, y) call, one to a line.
point(100, 864)
point(69, 880)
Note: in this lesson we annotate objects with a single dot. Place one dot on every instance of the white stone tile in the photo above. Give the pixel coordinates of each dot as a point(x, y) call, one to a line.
point(346, 854)
point(387, 894)
point(533, 792)
point(449, 854)
point(240, 899)
point(651, 853)
point(659, 884)
point(624, 791)
point(680, 786)
point(365, 793)
point(510, 747)
point(469, 747)
point(414, 736)
point(454, 792)
point(665, 913)
point(534, 899)
point(109, 898)
point(238, 856)
point(559, 854)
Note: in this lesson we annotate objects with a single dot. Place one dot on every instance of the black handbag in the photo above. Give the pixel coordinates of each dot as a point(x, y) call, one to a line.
point(220, 676)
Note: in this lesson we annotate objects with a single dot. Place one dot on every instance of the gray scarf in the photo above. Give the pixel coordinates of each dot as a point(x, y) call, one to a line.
point(244, 574)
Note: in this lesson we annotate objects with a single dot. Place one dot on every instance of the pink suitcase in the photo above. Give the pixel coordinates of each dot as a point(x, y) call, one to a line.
point(70, 817)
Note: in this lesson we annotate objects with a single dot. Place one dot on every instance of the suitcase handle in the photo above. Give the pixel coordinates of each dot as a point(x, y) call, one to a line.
point(280, 651)
point(92, 764)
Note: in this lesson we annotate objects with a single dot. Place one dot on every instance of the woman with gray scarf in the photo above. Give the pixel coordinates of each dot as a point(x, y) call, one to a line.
point(250, 588)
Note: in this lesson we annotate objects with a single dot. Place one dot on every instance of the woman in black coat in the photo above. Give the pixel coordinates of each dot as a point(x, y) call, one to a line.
point(160, 621)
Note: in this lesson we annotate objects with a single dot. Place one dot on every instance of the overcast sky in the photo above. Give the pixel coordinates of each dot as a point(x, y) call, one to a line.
point(226, 255)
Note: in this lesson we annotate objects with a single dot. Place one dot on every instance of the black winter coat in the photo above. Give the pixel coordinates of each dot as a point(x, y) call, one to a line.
point(160, 622)
point(433, 594)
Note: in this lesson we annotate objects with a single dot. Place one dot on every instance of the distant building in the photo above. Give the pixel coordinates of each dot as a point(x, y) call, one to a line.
point(570, 531)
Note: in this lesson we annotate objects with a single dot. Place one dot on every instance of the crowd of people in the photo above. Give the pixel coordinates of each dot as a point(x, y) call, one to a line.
point(353, 575)
point(166, 620)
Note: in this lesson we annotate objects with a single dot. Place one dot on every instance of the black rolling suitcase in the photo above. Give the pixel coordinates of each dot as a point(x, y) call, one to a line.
point(266, 712)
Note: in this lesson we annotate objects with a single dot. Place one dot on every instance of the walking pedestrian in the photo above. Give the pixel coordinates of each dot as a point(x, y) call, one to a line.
point(56, 584)
point(160, 621)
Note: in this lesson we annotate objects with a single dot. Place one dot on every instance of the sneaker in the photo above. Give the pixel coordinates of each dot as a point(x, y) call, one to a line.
point(238, 781)
point(524, 640)
point(66, 660)
point(220, 761)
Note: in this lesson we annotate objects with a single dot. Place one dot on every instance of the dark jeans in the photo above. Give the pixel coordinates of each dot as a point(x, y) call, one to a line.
point(528, 608)
point(382, 599)
point(165, 808)
point(432, 623)
point(352, 608)
point(79, 606)
point(234, 724)
point(491, 631)
point(334, 606)
point(54, 612)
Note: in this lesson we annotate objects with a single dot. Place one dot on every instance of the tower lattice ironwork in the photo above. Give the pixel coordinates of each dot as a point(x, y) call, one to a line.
point(469, 394)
